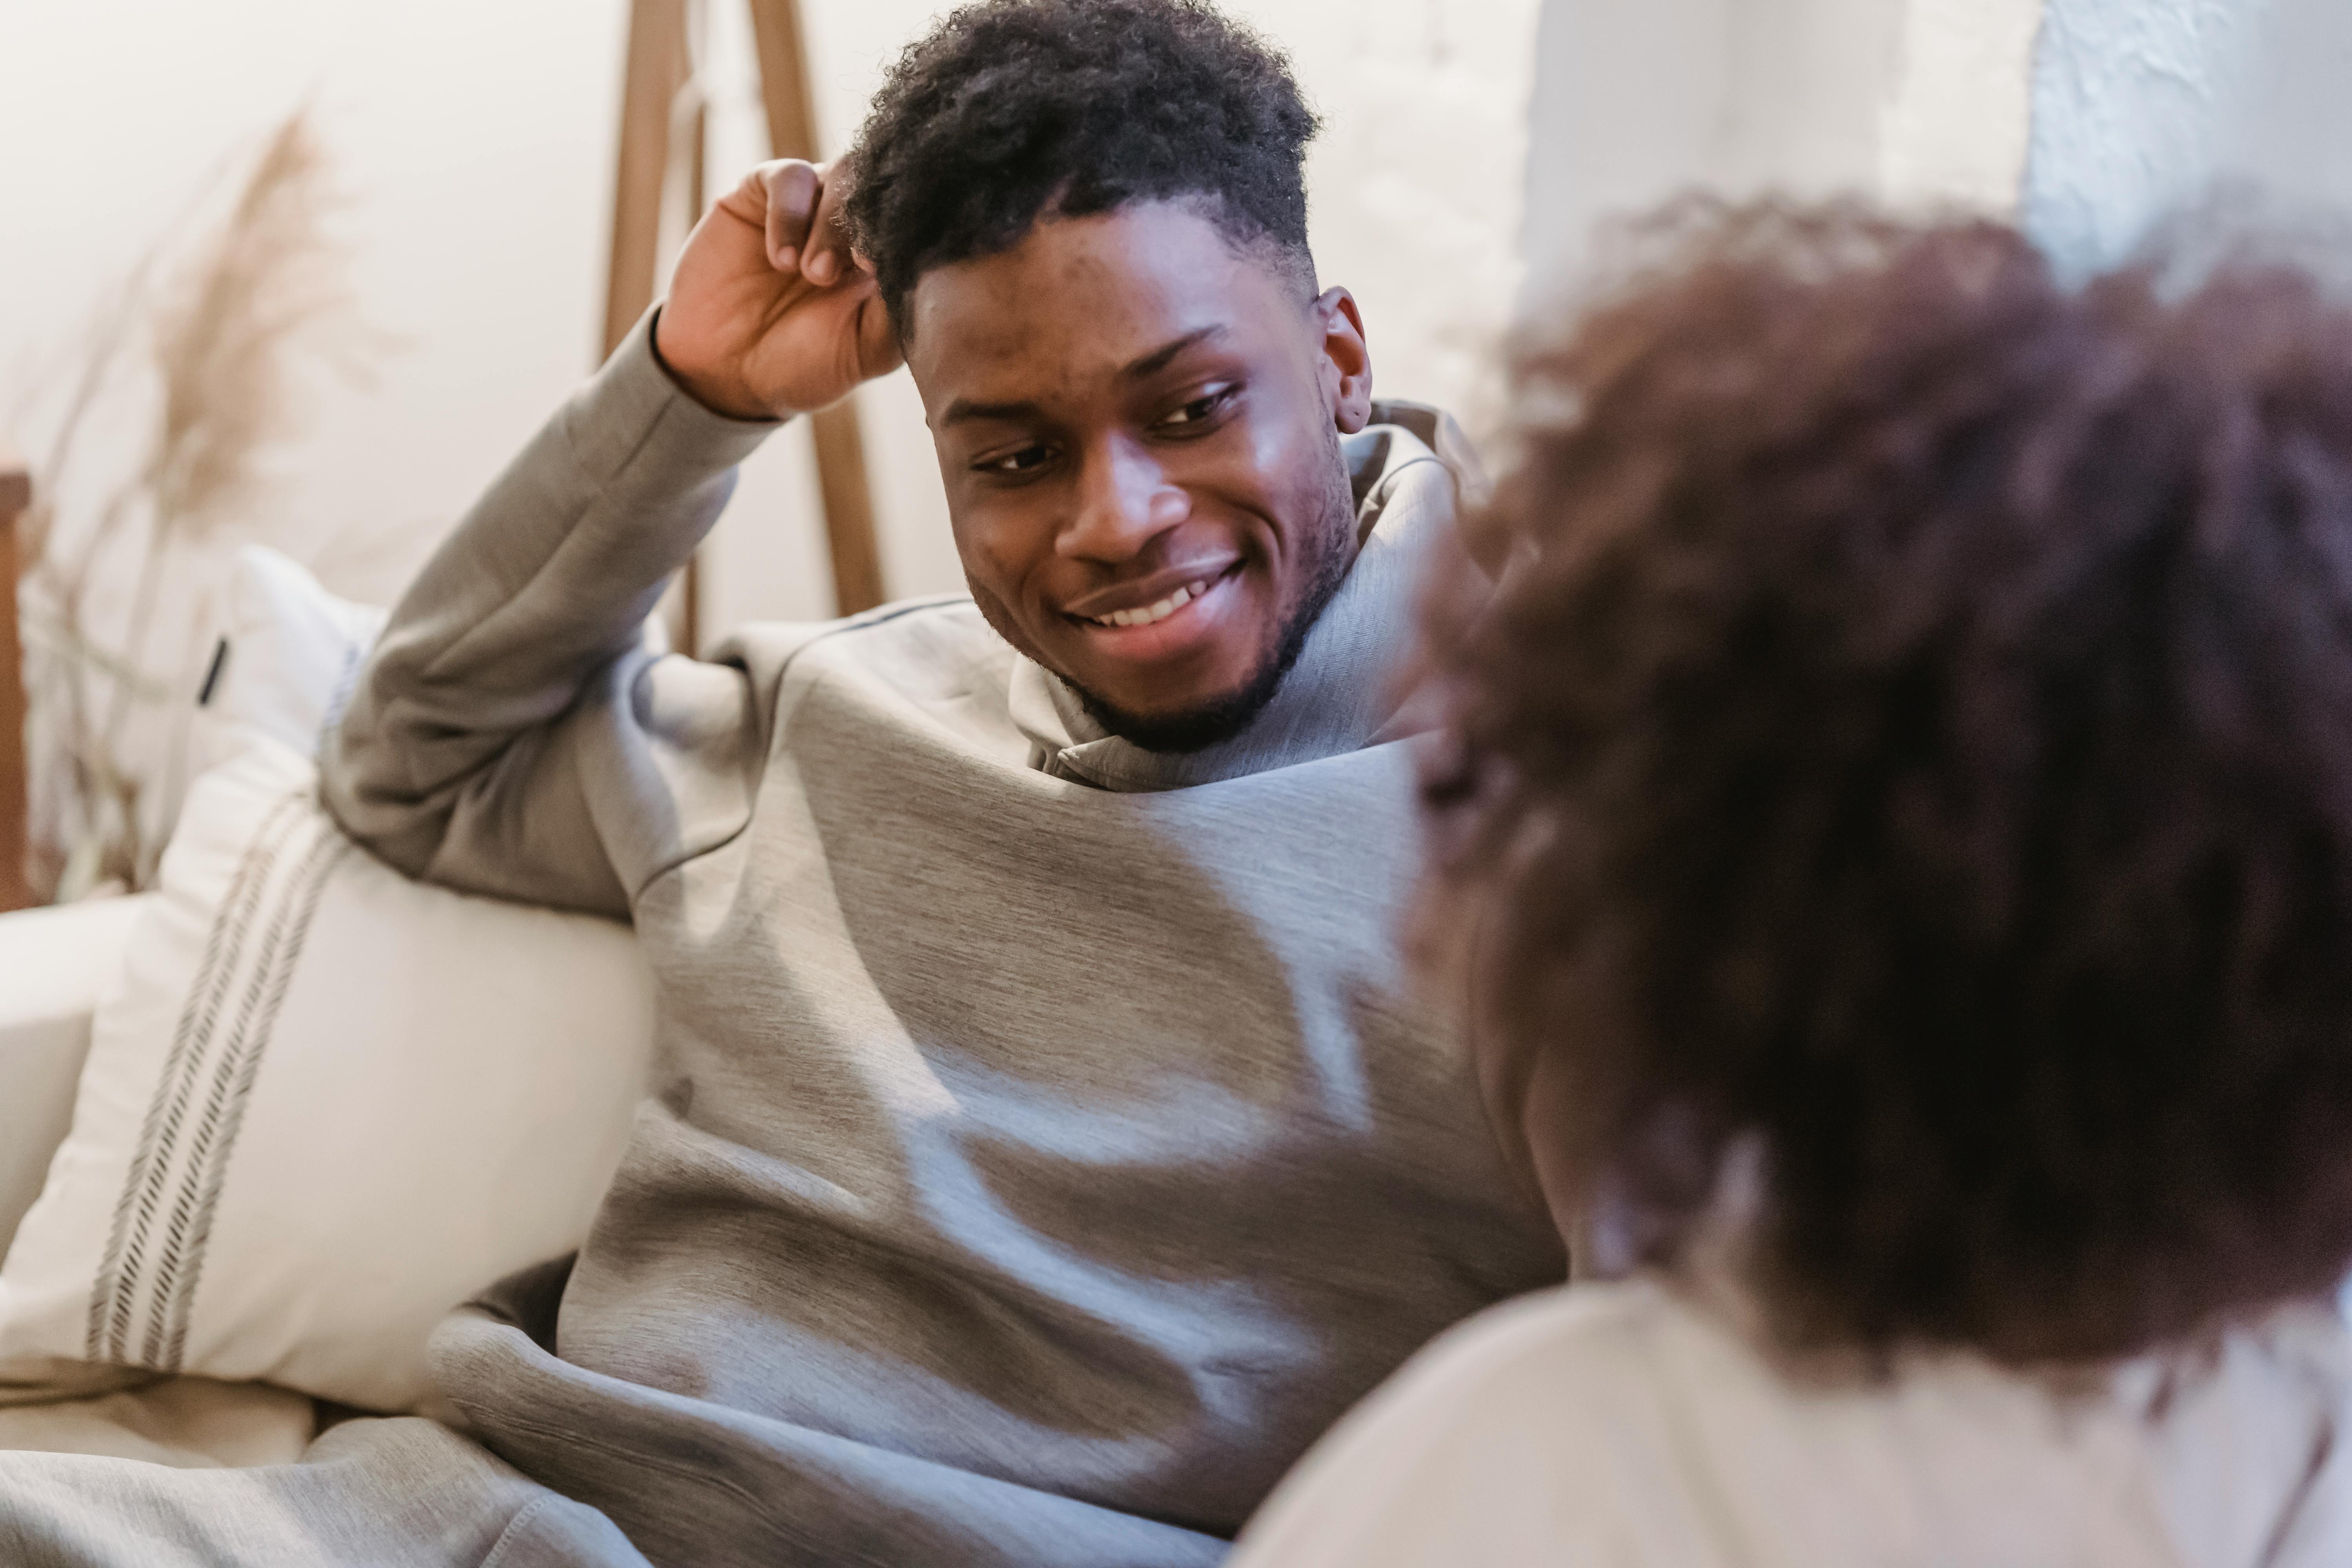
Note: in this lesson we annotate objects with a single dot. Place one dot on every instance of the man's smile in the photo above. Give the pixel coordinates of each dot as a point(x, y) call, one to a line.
point(1160, 617)
point(1141, 600)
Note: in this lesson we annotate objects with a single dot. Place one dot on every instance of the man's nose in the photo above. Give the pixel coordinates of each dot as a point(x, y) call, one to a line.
point(1125, 501)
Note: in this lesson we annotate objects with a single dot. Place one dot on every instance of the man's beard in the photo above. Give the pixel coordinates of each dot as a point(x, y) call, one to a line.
point(1222, 718)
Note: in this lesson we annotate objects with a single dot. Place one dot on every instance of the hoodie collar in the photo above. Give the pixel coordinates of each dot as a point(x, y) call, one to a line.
point(1408, 469)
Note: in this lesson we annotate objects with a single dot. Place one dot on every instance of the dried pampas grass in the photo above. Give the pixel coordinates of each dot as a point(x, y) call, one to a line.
point(214, 340)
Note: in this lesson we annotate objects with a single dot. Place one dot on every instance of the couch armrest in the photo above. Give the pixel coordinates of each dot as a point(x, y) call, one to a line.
point(54, 966)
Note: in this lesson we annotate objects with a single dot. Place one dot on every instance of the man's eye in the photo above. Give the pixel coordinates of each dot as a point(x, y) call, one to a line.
point(1025, 461)
point(1199, 410)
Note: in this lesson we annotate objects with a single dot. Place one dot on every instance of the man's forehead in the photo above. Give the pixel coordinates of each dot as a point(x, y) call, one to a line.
point(1090, 301)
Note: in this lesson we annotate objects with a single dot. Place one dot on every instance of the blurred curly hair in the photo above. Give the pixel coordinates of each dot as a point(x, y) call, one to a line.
point(1912, 739)
point(1013, 109)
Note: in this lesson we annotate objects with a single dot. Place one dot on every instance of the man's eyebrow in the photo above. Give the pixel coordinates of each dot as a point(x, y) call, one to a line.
point(964, 408)
point(1157, 360)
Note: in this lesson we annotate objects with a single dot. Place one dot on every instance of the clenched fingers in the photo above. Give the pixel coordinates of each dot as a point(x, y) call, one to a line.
point(798, 211)
point(825, 256)
point(788, 191)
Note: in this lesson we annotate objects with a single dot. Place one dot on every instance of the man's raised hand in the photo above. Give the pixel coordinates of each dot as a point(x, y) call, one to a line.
point(770, 312)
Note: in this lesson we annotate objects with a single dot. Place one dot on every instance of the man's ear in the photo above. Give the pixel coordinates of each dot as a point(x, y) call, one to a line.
point(1346, 362)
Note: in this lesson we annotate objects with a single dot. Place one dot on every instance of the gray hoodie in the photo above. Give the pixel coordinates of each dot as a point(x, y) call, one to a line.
point(1051, 1141)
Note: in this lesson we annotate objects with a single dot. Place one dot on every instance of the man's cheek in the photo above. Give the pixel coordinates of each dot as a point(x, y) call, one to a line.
point(994, 565)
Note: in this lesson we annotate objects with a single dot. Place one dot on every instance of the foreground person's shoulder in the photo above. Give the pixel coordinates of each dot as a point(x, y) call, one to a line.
point(1498, 1443)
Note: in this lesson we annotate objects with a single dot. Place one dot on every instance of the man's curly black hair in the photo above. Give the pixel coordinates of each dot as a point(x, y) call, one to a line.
point(1013, 109)
point(1912, 742)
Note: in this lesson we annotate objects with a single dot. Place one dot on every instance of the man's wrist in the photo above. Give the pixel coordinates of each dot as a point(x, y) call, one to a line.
point(716, 402)
point(634, 413)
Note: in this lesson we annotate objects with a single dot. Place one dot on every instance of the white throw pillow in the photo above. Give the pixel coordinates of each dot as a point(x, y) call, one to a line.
point(325, 1104)
point(287, 655)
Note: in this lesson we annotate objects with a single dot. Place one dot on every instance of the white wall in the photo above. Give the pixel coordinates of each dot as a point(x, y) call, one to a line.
point(1913, 101)
point(474, 141)
point(475, 214)
point(2088, 119)
point(2140, 106)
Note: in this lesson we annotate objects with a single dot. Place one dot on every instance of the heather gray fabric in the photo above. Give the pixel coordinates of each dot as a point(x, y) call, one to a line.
point(405, 1493)
point(1051, 1145)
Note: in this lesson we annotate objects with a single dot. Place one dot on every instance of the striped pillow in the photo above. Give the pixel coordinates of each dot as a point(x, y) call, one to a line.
point(325, 1105)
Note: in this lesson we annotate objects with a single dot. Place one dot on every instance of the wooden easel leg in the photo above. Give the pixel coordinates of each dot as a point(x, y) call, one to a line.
point(840, 442)
point(689, 584)
point(848, 509)
point(656, 68)
point(16, 498)
point(659, 65)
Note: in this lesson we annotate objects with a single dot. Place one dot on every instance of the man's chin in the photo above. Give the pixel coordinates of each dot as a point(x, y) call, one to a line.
point(1194, 728)
point(1216, 719)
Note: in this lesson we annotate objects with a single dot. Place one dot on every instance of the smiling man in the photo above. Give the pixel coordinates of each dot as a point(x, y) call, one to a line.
point(1050, 1145)
point(1138, 420)
point(1138, 424)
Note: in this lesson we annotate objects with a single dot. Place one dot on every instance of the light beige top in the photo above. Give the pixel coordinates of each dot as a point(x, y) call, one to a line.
point(1611, 1425)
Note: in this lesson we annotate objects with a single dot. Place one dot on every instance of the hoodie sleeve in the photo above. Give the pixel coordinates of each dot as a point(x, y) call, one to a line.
point(503, 718)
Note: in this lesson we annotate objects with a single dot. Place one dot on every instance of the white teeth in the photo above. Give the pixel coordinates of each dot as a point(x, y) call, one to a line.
point(1159, 612)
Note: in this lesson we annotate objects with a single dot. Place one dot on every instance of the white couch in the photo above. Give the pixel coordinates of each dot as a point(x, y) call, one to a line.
point(53, 966)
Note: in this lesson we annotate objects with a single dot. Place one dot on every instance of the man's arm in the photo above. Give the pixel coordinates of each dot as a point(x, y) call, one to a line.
point(457, 759)
point(514, 655)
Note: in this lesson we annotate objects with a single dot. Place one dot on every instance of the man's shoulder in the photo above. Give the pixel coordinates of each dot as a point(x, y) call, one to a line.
point(930, 634)
point(1434, 434)
point(930, 651)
